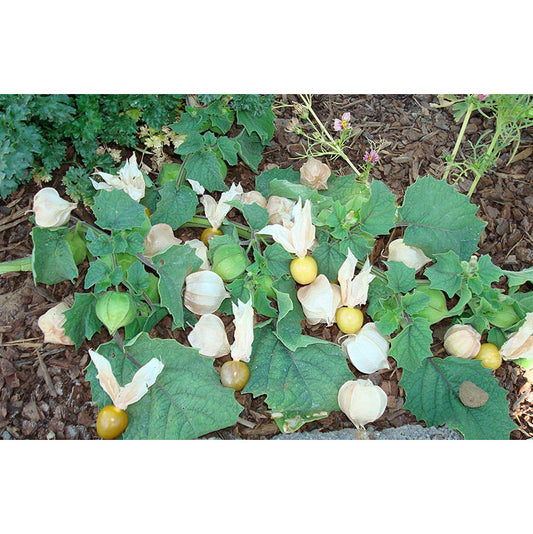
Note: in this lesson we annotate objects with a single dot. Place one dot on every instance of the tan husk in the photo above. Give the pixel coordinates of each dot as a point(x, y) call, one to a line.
point(204, 292)
point(241, 348)
point(320, 301)
point(354, 289)
point(362, 401)
point(411, 256)
point(315, 174)
point(462, 341)
point(519, 344)
point(209, 337)
point(279, 209)
point(51, 323)
point(50, 209)
point(216, 211)
point(159, 237)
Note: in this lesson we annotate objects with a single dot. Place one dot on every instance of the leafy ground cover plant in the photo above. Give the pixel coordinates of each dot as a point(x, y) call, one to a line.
point(139, 261)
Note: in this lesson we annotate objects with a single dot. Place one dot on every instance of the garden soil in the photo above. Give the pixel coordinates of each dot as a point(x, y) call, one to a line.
point(43, 392)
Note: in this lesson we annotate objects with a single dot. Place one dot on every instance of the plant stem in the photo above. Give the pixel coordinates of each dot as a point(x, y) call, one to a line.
point(489, 152)
point(459, 140)
point(199, 221)
point(13, 266)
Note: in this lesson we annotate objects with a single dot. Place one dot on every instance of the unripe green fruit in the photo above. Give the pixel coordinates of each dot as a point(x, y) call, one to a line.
point(504, 318)
point(115, 310)
point(77, 246)
point(229, 261)
point(265, 282)
point(153, 288)
point(123, 259)
point(436, 309)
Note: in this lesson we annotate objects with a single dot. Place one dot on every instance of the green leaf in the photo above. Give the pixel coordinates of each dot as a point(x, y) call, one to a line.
point(169, 173)
point(99, 243)
point(446, 274)
point(173, 265)
point(229, 148)
point(328, 257)
point(176, 207)
point(285, 189)
point(262, 125)
point(412, 345)
point(387, 316)
point(439, 219)
point(193, 143)
point(277, 260)
point(290, 313)
point(256, 216)
point(414, 302)
point(378, 214)
point(262, 182)
point(137, 278)
point(205, 168)
point(187, 400)
point(346, 190)
point(432, 395)
point(101, 276)
point(300, 385)
point(82, 322)
point(115, 210)
point(516, 278)
point(400, 277)
point(360, 243)
point(250, 149)
point(51, 257)
point(487, 271)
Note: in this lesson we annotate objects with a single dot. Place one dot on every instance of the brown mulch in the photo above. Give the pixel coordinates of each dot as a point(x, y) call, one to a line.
point(43, 393)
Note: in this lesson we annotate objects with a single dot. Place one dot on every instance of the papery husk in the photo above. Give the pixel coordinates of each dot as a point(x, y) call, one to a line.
point(367, 349)
point(413, 257)
point(216, 211)
point(279, 209)
point(129, 179)
point(315, 174)
point(50, 210)
point(295, 237)
point(209, 337)
point(122, 397)
point(462, 341)
point(320, 301)
point(241, 348)
point(51, 323)
point(204, 292)
point(159, 237)
point(201, 252)
point(354, 289)
point(519, 344)
point(197, 187)
point(254, 197)
point(362, 401)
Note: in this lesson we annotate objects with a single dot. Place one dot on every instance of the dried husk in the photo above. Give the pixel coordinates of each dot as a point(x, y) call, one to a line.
point(130, 179)
point(320, 301)
point(204, 292)
point(51, 323)
point(462, 341)
point(216, 211)
point(367, 349)
point(254, 197)
point(201, 252)
point(354, 289)
point(50, 210)
point(241, 348)
point(362, 401)
point(279, 209)
point(209, 337)
point(159, 237)
point(315, 174)
point(411, 256)
point(519, 344)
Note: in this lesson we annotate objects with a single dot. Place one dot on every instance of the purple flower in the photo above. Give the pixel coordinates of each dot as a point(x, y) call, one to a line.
point(342, 123)
point(482, 97)
point(371, 157)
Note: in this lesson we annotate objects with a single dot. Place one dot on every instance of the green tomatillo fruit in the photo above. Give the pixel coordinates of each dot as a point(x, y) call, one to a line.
point(504, 318)
point(153, 288)
point(115, 310)
point(229, 261)
point(77, 246)
point(436, 309)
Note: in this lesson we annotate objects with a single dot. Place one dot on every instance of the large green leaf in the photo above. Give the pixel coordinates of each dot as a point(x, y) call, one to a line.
point(82, 322)
point(401, 278)
point(432, 395)
point(438, 219)
point(187, 399)
point(347, 190)
point(51, 257)
point(250, 149)
point(412, 345)
point(378, 214)
point(262, 182)
point(446, 274)
point(300, 385)
point(516, 278)
point(176, 206)
point(262, 125)
point(115, 210)
point(206, 168)
point(329, 257)
point(173, 265)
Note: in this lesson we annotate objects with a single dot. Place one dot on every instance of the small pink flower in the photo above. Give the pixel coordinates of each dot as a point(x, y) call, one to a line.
point(371, 157)
point(342, 123)
point(482, 97)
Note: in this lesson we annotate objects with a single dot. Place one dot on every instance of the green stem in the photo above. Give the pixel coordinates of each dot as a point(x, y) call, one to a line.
point(13, 266)
point(199, 221)
point(459, 140)
point(492, 145)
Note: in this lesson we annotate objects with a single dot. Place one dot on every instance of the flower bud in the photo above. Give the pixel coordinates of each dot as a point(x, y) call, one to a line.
point(462, 341)
point(50, 209)
point(229, 261)
point(115, 310)
point(519, 344)
point(204, 292)
point(209, 337)
point(367, 349)
point(51, 323)
point(320, 301)
point(362, 401)
point(315, 174)
point(411, 256)
point(159, 237)
point(279, 209)
point(254, 197)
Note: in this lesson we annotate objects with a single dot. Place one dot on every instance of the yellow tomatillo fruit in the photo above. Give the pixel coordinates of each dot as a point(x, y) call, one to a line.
point(349, 320)
point(111, 422)
point(208, 234)
point(489, 356)
point(234, 374)
point(304, 270)
point(147, 211)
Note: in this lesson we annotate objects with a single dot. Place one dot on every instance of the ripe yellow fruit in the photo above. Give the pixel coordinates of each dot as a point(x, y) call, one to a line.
point(234, 374)
point(304, 270)
point(489, 356)
point(147, 211)
point(208, 234)
point(349, 320)
point(111, 422)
